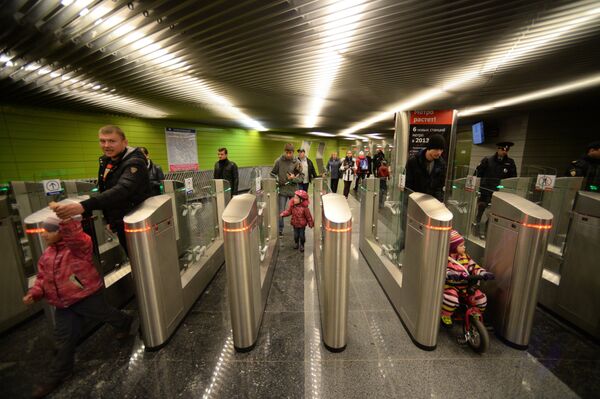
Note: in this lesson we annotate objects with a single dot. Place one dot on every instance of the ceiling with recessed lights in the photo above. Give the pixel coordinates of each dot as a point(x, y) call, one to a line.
point(339, 67)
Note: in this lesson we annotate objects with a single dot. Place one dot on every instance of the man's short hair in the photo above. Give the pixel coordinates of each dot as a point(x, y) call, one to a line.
point(108, 129)
point(222, 149)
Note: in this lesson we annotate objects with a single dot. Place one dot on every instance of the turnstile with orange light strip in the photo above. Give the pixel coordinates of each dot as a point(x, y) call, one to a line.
point(517, 238)
point(415, 287)
point(332, 245)
point(165, 292)
point(251, 248)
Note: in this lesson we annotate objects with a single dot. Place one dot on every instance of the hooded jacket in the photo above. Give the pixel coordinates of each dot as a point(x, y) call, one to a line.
point(300, 214)
point(123, 184)
point(156, 176)
point(280, 170)
point(66, 273)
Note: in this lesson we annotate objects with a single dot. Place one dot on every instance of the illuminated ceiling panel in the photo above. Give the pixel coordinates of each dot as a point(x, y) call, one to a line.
point(264, 63)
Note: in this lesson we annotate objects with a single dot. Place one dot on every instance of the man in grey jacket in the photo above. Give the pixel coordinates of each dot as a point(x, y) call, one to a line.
point(287, 171)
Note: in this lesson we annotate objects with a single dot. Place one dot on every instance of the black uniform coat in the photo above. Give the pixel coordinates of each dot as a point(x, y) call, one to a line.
point(588, 168)
point(419, 180)
point(491, 170)
point(123, 184)
point(227, 170)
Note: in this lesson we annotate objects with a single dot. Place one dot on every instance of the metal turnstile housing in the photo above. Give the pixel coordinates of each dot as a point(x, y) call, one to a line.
point(164, 294)
point(250, 268)
point(424, 268)
point(332, 266)
point(579, 291)
point(517, 238)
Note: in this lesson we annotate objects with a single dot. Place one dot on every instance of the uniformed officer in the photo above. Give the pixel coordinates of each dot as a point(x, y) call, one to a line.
point(491, 170)
point(123, 182)
point(588, 167)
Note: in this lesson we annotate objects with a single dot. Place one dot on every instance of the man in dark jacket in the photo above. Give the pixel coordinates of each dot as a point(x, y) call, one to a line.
point(122, 182)
point(377, 159)
point(155, 173)
point(588, 167)
point(227, 170)
point(491, 170)
point(426, 171)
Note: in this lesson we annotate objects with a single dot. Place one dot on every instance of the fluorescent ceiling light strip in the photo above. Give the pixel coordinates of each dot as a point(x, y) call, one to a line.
point(197, 90)
point(341, 21)
point(533, 40)
point(117, 103)
point(322, 134)
point(536, 95)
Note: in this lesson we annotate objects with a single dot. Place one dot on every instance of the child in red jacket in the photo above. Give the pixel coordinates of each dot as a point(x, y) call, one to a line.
point(68, 280)
point(298, 208)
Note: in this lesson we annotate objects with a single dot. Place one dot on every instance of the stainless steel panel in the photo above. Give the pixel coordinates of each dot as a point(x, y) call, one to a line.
point(150, 233)
point(13, 282)
point(579, 290)
point(334, 269)
point(519, 209)
point(560, 202)
point(243, 269)
point(519, 230)
point(424, 267)
point(588, 203)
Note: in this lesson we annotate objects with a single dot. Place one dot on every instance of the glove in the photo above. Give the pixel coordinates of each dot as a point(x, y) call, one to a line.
point(487, 275)
point(458, 276)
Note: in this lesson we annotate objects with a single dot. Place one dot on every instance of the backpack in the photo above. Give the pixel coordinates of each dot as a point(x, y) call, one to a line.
point(364, 164)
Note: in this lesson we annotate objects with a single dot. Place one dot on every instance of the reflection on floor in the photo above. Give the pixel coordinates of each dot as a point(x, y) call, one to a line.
point(289, 360)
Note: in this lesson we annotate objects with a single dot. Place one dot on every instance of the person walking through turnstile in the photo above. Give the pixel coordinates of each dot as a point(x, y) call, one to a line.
point(460, 267)
point(588, 167)
point(301, 216)
point(68, 280)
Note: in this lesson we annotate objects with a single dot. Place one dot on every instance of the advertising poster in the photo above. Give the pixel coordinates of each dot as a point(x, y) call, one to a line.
point(182, 150)
point(424, 124)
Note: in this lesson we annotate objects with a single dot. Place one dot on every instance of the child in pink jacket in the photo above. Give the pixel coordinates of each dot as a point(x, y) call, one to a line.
point(298, 208)
point(68, 280)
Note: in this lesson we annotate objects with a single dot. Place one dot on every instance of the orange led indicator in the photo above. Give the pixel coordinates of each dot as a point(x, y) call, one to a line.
point(440, 228)
point(341, 230)
point(138, 230)
point(538, 226)
point(237, 230)
point(39, 230)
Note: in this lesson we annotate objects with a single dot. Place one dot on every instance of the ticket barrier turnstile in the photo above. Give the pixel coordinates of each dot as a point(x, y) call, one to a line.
point(572, 289)
point(13, 280)
point(164, 292)
point(332, 244)
point(414, 289)
point(517, 238)
point(250, 267)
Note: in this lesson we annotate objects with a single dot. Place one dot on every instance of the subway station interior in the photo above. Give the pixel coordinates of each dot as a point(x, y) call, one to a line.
point(225, 301)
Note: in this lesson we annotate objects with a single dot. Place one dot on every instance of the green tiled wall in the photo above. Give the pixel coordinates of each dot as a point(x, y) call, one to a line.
point(38, 143)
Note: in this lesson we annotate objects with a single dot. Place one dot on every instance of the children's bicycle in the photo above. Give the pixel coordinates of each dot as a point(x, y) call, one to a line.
point(474, 332)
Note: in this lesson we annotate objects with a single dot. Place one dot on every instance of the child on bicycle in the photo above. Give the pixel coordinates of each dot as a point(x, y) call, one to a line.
point(301, 216)
point(460, 267)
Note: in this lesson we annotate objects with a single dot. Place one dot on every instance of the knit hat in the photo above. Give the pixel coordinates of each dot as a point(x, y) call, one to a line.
point(436, 142)
point(51, 223)
point(302, 194)
point(455, 240)
point(288, 147)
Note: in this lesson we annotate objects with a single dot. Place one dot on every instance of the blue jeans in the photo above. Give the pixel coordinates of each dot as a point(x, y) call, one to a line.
point(299, 235)
point(283, 201)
